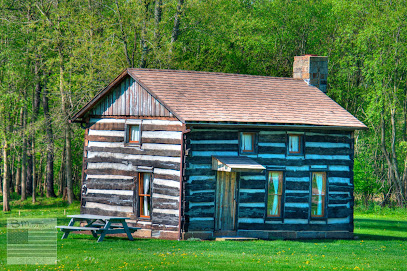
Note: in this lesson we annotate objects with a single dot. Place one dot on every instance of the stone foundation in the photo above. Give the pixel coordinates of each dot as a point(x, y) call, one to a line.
point(272, 235)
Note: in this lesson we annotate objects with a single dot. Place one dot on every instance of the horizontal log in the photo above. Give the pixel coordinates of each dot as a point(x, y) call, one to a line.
point(148, 163)
point(297, 197)
point(297, 186)
point(297, 174)
point(200, 225)
point(271, 150)
point(328, 138)
point(335, 199)
point(165, 190)
point(104, 138)
point(277, 138)
point(340, 174)
point(165, 204)
point(136, 151)
point(96, 184)
point(108, 126)
point(200, 185)
point(97, 211)
point(191, 160)
point(198, 171)
point(300, 213)
point(212, 147)
point(201, 211)
point(210, 135)
point(252, 184)
point(165, 219)
point(201, 197)
point(339, 212)
point(110, 171)
point(166, 177)
point(251, 212)
point(327, 151)
point(252, 197)
point(338, 187)
point(116, 200)
point(161, 140)
point(157, 127)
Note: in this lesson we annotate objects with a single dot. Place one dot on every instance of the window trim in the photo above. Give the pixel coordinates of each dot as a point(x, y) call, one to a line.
point(254, 142)
point(300, 141)
point(325, 199)
point(127, 137)
point(282, 198)
point(129, 134)
point(136, 195)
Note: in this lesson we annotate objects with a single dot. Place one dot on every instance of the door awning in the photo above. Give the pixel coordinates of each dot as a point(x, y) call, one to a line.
point(235, 164)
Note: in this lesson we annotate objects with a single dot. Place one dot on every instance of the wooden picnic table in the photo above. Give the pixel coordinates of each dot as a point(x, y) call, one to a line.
point(98, 224)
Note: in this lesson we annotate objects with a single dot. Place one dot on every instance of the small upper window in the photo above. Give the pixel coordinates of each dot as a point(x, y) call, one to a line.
point(134, 134)
point(294, 144)
point(318, 194)
point(247, 141)
point(275, 192)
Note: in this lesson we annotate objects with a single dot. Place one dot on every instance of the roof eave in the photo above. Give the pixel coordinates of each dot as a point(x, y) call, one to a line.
point(81, 113)
point(277, 125)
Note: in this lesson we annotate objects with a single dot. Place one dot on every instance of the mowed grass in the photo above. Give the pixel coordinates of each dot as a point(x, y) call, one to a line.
point(382, 245)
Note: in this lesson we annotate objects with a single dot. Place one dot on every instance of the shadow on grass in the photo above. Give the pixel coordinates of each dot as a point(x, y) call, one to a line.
point(391, 225)
point(363, 236)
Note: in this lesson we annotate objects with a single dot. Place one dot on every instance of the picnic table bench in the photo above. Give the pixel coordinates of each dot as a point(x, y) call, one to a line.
point(97, 224)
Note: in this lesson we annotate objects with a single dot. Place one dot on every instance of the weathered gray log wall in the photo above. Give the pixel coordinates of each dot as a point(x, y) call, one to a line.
point(327, 151)
point(110, 166)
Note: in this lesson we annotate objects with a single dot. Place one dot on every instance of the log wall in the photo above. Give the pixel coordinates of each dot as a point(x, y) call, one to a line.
point(328, 151)
point(110, 166)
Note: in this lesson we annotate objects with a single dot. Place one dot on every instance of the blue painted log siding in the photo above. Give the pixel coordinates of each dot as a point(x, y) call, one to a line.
point(330, 151)
point(110, 166)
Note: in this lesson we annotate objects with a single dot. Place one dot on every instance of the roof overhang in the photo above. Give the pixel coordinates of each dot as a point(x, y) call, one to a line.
point(273, 125)
point(235, 164)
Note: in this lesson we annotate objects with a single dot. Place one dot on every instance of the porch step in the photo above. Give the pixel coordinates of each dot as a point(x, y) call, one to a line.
point(235, 239)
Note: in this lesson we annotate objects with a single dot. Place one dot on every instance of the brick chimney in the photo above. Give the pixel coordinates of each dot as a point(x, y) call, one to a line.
point(312, 69)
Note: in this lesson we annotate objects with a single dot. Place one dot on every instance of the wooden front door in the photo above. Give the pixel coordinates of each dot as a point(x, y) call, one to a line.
point(225, 201)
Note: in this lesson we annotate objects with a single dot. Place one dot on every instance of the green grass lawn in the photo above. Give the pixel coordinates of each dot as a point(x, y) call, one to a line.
point(382, 245)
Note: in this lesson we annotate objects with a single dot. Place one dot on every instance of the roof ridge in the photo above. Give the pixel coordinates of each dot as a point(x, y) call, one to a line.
point(208, 72)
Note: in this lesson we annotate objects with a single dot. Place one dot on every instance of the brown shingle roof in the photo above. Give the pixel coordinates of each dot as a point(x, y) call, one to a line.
point(219, 97)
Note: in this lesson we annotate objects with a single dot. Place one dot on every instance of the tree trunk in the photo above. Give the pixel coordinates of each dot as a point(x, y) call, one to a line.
point(61, 174)
point(49, 179)
point(68, 160)
point(6, 153)
point(29, 167)
point(36, 108)
point(177, 21)
point(24, 159)
point(130, 63)
point(143, 41)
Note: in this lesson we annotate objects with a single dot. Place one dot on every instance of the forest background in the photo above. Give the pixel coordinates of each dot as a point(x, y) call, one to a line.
point(55, 55)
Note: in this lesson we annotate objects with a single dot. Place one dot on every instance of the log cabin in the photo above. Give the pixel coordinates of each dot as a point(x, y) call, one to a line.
point(203, 154)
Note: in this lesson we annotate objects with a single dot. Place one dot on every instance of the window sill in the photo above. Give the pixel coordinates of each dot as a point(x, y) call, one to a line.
point(270, 218)
point(133, 145)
